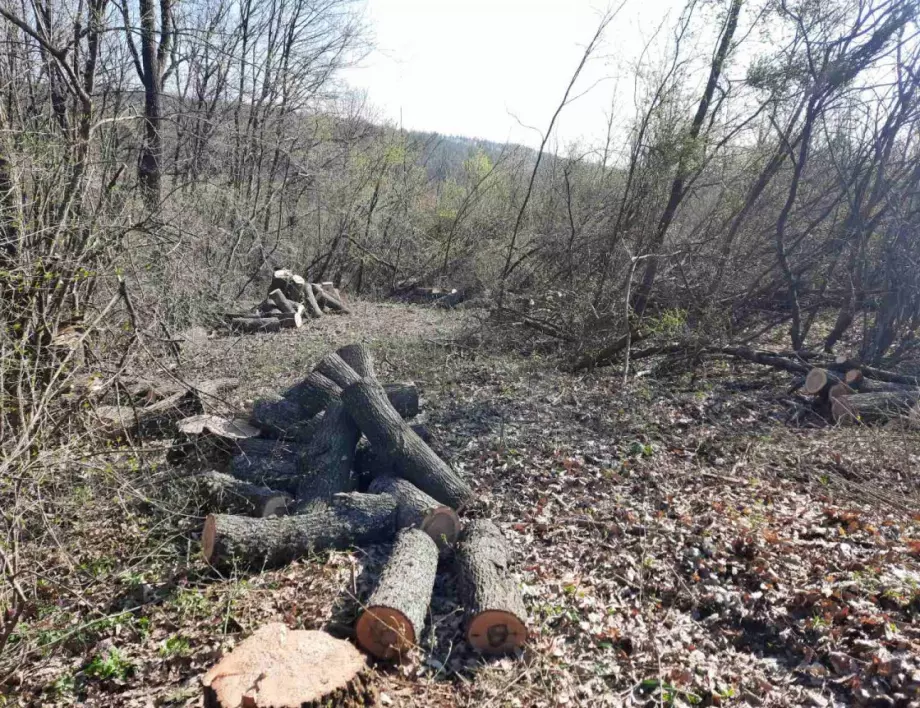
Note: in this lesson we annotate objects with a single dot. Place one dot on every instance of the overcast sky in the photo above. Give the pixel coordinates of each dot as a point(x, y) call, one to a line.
point(481, 68)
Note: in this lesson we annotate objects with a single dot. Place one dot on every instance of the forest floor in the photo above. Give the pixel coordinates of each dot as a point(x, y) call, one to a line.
point(679, 540)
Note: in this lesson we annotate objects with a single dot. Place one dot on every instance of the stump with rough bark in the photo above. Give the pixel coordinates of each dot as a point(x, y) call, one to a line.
point(412, 459)
point(419, 510)
point(496, 621)
point(314, 393)
point(394, 616)
point(346, 520)
point(278, 667)
point(227, 494)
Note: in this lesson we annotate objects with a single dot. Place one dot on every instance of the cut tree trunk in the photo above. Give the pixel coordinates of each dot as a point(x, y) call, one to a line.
point(819, 381)
point(227, 494)
point(853, 377)
point(270, 447)
point(328, 298)
point(347, 520)
point(281, 302)
point(838, 391)
point(394, 616)
point(275, 472)
point(314, 393)
point(293, 287)
point(359, 358)
point(325, 469)
point(404, 397)
point(390, 434)
point(277, 667)
point(875, 407)
point(282, 418)
point(313, 308)
point(496, 621)
point(251, 325)
point(334, 367)
point(419, 510)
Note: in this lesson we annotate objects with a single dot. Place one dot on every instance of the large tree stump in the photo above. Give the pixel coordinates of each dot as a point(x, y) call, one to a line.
point(252, 325)
point(875, 407)
point(227, 494)
point(359, 358)
point(394, 617)
point(347, 520)
point(275, 472)
point(325, 469)
point(496, 618)
point(413, 460)
point(277, 667)
point(314, 393)
point(419, 510)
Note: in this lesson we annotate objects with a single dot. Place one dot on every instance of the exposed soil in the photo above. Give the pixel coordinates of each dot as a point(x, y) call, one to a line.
point(682, 539)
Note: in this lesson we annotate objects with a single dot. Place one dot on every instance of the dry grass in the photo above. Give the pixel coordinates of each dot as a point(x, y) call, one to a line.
point(679, 543)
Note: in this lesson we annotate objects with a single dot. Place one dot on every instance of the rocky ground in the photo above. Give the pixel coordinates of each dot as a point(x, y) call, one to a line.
point(682, 539)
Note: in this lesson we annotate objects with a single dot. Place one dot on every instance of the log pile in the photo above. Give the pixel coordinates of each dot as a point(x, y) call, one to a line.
point(290, 302)
point(291, 487)
point(851, 396)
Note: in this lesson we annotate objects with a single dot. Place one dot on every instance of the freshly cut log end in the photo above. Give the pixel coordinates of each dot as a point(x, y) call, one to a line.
point(838, 391)
point(853, 378)
point(394, 617)
point(333, 367)
point(359, 358)
point(819, 381)
point(496, 632)
point(285, 668)
point(347, 519)
point(228, 494)
point(496, 618)
point(417, 509)
point(294, 320)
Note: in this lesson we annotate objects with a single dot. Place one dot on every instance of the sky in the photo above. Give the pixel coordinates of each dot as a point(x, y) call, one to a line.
point(496, 69)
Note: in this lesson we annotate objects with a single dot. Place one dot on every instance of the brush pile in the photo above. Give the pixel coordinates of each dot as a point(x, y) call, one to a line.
point(290, 301)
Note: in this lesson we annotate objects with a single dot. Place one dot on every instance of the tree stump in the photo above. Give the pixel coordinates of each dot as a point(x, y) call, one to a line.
point(394, 617)
point(277, 667)
point(496, 618)
point(413, 460)
point(417, 509)
point(225, 493)
point(347, 520)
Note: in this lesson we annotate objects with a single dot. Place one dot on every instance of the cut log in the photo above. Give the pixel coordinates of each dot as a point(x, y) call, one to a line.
point(359, 358)
point(325, 468)
point(293, 320)
point(280, 301)
point(314, 393)
point(313, 308)
point(853, 377)
point(280, 280)
point(875, 407)
point(370, 463)
point(348, 519)
point(277, 667)
point(404, 397)
point(292, 286)
point(394, 617)
point(413, 460)
point(282, 418)
point(275, 472)
point(251, 325)
point(496, 621)
point(819, 381)
point(418, 510)
point(839, 390)
point(270, 447)
point(329, 300)
point(225, 493)
point(334, 367)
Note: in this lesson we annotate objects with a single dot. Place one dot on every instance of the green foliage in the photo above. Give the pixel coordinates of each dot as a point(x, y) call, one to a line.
point(175, 646)
point(110, 666)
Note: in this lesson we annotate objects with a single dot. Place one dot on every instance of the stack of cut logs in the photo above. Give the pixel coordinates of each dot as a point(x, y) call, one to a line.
point(854, 396)
point(290, 299)
point(293, 490)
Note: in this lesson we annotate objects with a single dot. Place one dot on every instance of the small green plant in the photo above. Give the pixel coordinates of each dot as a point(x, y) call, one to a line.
point(175, 646)
point(64, 686)
point(111, 666)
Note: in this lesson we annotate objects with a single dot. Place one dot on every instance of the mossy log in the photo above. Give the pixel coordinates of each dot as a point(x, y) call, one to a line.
point(419, 510)
point(413, 460)
point(346, 520)
point(496, 621)
point(394, 616)
point(278, 667)
point(227, 494)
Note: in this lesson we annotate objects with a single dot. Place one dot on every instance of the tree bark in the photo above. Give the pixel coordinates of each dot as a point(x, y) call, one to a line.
point(349, 519)
point(251, 325)
point(496, 619)
point(875, 407)
point(334, 367)
point(359, 358)
point(413, 459)
point(313, 308)
point(277, 666)
point(314, 393)
point(280, 417)
point(281, 302)
point(325, 469)
point(394, 617)
point(327, 298)
point(279, 472)
point(404, 398)
point(419, 510)
point(819, 381)
point(227, 494)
